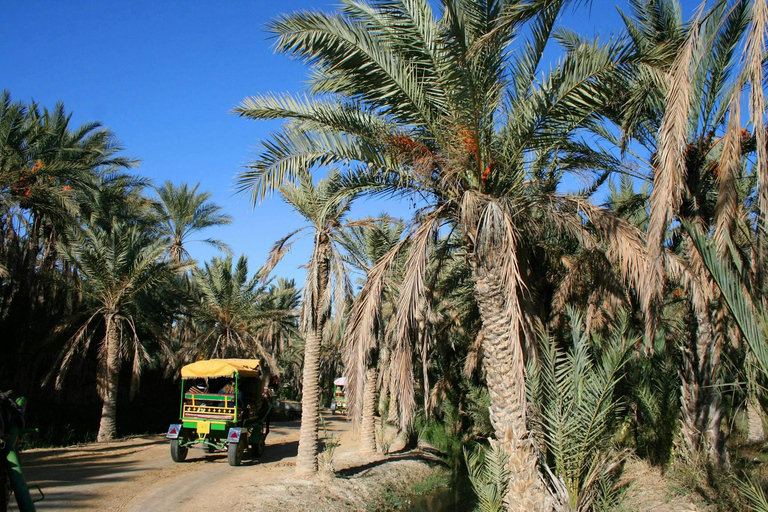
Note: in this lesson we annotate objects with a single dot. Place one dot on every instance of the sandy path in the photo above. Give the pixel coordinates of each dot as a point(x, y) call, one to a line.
point(138, 474)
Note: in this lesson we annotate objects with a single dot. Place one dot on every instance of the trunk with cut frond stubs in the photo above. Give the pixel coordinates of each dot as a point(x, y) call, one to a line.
point(306, 459)
point(393, 413)
point(504, 365)
point(368, 423)
point(384, 392)
point(109, 375)
point(701, 404)
point(755, 422)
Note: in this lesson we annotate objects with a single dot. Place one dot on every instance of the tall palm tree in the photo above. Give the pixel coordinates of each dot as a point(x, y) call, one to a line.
point(182, 212)
point(438, 107)
point(117, 265)
point(327, 282)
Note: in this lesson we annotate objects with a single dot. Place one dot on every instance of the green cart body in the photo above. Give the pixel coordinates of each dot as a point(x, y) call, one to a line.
point(232, 419)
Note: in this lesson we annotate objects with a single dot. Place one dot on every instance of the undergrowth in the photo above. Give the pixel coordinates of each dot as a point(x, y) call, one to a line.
point(395, 496)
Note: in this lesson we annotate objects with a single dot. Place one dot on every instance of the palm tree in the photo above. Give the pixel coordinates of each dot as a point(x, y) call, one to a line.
point(235, 314)
point(438, 107)
point(327, 278)
point(682, 104)
point(182, 212)
point(364, 247)
point(48, 170)
point(278, 320)
point(117, 265)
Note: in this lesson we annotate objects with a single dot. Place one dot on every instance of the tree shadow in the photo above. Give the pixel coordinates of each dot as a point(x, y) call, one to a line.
point(354, 471)
point(275, 453)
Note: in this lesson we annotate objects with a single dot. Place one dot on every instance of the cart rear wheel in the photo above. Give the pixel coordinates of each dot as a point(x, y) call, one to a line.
point(178, 453)
point(235, 451)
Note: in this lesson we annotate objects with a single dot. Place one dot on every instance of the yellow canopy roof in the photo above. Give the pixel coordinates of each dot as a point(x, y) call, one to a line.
point(222, 368)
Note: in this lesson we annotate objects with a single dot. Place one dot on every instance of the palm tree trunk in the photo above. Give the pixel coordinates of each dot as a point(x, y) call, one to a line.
point(384, 392)
point(368, 424)
point(505, 376)
point(306, 459)
point(700, 396)
point(108, 381)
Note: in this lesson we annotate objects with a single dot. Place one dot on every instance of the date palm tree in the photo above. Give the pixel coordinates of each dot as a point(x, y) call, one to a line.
point(327, 284)
point(182, 212)
point(234, 315)
point(48, 171)
point(365, 246)
point(682, 104)
point(438, 108)
point(117, 265)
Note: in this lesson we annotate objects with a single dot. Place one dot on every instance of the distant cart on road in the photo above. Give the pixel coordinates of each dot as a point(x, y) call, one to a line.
point(339, 401)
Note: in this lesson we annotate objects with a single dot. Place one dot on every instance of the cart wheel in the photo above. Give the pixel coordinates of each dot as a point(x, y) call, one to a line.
point(235, 451)
point(178, 453)
point(209, 448)
point(257, 449)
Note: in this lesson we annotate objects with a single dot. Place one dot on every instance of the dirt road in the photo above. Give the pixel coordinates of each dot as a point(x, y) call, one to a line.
point(138, 475)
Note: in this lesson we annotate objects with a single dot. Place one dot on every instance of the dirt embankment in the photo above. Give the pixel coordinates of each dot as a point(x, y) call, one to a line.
point(138, 475)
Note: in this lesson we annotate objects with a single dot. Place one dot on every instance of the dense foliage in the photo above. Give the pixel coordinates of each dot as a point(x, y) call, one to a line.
point(534, 334)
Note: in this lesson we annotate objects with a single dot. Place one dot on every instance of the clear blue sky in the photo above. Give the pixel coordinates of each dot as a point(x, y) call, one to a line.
point(163, 76)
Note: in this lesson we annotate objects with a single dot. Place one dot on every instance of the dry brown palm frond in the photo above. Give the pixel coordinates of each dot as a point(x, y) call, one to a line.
point(341, 281)
point(670, 165)
point(474, 356)
point(603, 290)
point(318, 288)
point(408, 306)
point(623, 243)
point(565, 289)
point(359, 337)
point(755, 50)
point(277, 252)
point(490, 225)
point(439, 392)
point(679, 269)
point(727, 209)
point(704, 290)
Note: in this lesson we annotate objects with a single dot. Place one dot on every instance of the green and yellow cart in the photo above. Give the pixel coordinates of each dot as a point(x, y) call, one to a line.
point(223, 407)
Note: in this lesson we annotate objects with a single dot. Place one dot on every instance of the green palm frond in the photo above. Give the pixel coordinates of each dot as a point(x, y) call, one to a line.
point(573, 393)
point(751, 322)
point(754, 493)
point(183, 211)
point(489, 475)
